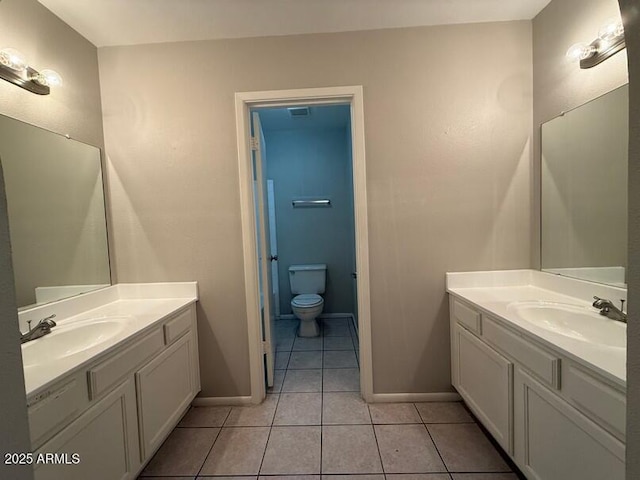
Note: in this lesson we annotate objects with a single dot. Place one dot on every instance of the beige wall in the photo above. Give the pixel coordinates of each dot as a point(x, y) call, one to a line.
point(448, 159)
point(632, 34)
point(47, 42)
point(560, 85)
point(74, 109)
point(14, 424)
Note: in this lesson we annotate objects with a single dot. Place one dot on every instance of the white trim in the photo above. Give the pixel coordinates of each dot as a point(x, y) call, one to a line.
point(415, 397)
point(353, 95)
point(249, 251)
point(216, 401)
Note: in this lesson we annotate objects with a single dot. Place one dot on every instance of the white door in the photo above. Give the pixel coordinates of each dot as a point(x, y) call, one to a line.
point(264, 249)
point(275, 284)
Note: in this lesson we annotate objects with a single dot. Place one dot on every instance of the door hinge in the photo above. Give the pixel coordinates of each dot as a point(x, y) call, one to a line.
point(266, 347)
point(254, 143)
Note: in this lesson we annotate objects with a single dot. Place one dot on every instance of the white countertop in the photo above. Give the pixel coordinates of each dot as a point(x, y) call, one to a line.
point(492, 294)
point(140, 306)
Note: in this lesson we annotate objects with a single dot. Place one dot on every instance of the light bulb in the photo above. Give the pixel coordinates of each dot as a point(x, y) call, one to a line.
point(53, 78)
point(49, 78)
point(604, 44)
point(12, 58)
point(579, 51)
point(611, 29)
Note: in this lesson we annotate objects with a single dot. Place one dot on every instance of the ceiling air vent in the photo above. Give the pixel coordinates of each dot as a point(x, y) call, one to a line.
point(297, 112)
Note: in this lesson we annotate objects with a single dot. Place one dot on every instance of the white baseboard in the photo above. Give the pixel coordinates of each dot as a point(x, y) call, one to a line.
point(416, 397)
point(291, 316)
point(336, 315)
point(217, 401)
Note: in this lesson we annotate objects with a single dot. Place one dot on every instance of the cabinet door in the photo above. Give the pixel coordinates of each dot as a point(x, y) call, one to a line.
point(485, 382)
point(105, 438)
point(553, 441)
point(165, 390)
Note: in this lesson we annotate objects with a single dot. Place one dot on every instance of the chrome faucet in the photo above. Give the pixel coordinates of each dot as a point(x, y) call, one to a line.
point(608, 309)
point(43, 328)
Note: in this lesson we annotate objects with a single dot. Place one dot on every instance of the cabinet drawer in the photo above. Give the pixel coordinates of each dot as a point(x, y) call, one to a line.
point(467, 316)
point(599, 401)
point(105, 375)
point(544, 364)
point(55, 407)
point(177, 326)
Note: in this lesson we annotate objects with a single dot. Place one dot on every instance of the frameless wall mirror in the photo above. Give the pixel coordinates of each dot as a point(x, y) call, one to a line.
point(584, 190)
point(56, 213)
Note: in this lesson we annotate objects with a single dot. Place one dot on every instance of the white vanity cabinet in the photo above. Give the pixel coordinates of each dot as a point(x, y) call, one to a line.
point(556, 441)
point(556, 418)
point(166, 385)
point(116, 412)
point(105, 438)
point(483, 377)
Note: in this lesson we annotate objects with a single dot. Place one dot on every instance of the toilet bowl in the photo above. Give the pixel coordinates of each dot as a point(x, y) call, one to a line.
point(307, 282)
point(307, 307)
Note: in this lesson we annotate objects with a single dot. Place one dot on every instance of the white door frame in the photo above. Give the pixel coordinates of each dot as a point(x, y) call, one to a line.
point(244, 101)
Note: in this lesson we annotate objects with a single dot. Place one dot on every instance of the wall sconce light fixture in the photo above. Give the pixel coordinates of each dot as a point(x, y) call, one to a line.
point(15, 69)
point(610, 41)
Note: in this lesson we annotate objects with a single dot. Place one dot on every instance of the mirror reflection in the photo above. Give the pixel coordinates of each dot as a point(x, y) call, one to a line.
point(56, 213)
point(584, 190)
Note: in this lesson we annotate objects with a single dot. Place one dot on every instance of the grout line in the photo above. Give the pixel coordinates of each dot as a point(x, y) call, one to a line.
point(433, 441)
point(493, 472)
point(316, 475)
point(284, 379)
point(325, 368)
point(321, 403)
point(375, 436)
point(214, 442)
point(266, 445)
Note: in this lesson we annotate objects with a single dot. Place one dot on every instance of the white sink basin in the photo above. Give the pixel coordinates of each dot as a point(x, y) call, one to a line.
point(580, 323)
point(68, 340)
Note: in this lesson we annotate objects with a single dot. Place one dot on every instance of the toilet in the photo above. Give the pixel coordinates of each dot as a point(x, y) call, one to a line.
point(307, 282)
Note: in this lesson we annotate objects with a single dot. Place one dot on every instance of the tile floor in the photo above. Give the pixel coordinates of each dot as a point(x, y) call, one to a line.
point(313, 422)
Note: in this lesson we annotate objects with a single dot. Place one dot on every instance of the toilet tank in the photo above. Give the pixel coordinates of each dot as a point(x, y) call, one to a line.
point(307, 278)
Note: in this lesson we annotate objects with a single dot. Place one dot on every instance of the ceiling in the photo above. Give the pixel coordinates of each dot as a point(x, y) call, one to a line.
point(131, 22)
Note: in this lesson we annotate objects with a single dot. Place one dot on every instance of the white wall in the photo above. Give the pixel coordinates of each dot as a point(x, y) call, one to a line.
point(447, 129)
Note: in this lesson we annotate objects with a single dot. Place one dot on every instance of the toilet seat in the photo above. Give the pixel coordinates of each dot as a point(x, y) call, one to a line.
point(306, 300)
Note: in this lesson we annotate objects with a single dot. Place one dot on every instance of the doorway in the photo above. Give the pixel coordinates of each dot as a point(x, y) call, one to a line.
point(257, 236)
